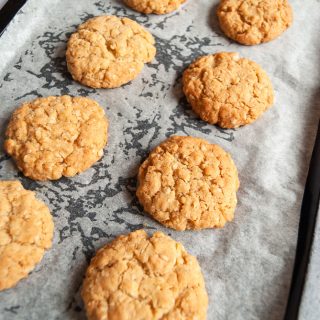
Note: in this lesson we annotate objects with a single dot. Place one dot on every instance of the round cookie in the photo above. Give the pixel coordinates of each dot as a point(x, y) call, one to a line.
point(227, 90)
point(154, 6)
point(26, 230)
point(56, 136)
point(107, 51)
point(141, 277)
point(252, 22)
point(188, 183)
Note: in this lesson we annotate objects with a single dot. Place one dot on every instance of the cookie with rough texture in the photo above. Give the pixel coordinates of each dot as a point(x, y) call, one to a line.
point(56, 136)
point(254, 21)
point(227, 90)
point(107, 51)
point(188, 183)
point(26, 230)
point(154, 6)
point(140, 277)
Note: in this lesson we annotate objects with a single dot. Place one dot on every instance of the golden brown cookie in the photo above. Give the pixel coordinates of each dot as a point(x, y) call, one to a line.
point(140, 277)
point(227, 90)
point(254, 21)
point(26, 230)
point(154, 6)
point(56, 136)
point(107, 51)
point(188, 183)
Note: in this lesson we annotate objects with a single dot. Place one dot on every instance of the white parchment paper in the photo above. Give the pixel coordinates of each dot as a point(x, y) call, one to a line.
point(248, 264)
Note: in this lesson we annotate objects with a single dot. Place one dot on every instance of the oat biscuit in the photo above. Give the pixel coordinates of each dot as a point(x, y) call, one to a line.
point(154, 6)
point(140, 277)
point(56, 136)
point(26, 230)
point(254, 21)
point(188, 183)
point(107, 51)
point(227, 90)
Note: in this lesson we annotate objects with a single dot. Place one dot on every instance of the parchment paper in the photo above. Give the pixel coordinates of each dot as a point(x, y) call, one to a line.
point(248, 264)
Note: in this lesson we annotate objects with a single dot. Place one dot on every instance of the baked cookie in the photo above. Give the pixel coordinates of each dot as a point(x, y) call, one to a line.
point(227, 90)
point(56, 136)
point(107, 51)
point(254, 21)
point(140, 277)
point(188, 183)
point(154, 6)
point(26, 230)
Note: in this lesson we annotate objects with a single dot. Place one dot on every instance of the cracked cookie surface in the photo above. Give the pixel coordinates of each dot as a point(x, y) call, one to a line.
point(227, 90)
point(56, 136)
point(26, 230)
point(154, 6)
point(252, 22)
point(140, 277)
point(107, 51)
point(188, 183)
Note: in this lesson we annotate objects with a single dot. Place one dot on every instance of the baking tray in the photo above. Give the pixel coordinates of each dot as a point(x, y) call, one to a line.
point(8, 11)
point(244, 280)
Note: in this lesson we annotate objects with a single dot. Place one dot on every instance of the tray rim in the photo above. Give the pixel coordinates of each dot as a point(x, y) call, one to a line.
point(8, 12)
